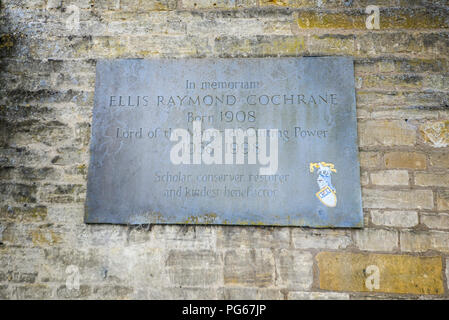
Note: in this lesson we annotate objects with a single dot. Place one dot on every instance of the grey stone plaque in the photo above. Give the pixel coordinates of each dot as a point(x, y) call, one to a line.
point(166, 147)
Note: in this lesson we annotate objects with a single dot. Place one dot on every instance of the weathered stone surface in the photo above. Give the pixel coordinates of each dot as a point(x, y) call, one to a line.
point(193, 259)
point(250, 294)
point(33, 292)
point(440, 159)
point(410, 199)
point(364, 178)
point(372, 43)
point(201, 4)
point(89, 265)
point(397, 99)
point(63, 213)
point(406, 160)
point(376, 239)
point(442, 200)
point(420, 241)
point(175, 237)
point(321, 239)
point(178, 293)
point(333, 44)
point(376, 81)
point(391, 19)
point(4, 292)
point(23, 260)
point(294, 269)
point(401, 219)
point(194, 277)
point(304, 295)
point(62, 193)
point(24, 214)
point(16, 233)
point(396, 273)
point(390, 178)
point(432, 179)
point(253, 237)
point(251, 268)
point(18, 277)
point(18, 192)
point(195, 268)
point(394, 113)
point(147, 268)
point(386, 133)
point(370, 159)
point(440, 221)
point(113, 292)
point(231, 46)
point(63, 292)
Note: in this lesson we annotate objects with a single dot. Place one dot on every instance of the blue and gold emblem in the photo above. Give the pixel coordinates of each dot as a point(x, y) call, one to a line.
point(327, 194)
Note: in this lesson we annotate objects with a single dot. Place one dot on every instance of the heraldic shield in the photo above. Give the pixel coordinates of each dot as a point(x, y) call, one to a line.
point(327, 197)
point(327, 194)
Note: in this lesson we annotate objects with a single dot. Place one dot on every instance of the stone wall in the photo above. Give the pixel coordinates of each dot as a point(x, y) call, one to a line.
point(47, 76)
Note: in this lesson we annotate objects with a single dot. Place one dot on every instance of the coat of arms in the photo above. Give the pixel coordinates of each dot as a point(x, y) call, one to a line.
point(327, 194)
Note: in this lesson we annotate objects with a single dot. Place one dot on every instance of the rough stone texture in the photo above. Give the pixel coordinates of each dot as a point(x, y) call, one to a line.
point(250, 294)
point(301, 295)
point(440, 159)
point(421, 241)
point(390, 178)
point(376, 239)
point(321, 239)
point(370, 159)
point(394, 273)
point(405, 219)
point(443, 200)
point(294, 269)
point(398, 199)
point(440, 221)
point(261, 272)
point(406, 160)
point(432, 179)
point(386, 133)
point(47, 77)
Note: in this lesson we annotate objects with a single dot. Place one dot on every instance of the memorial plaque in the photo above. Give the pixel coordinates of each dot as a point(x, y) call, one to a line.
point(225, 141)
